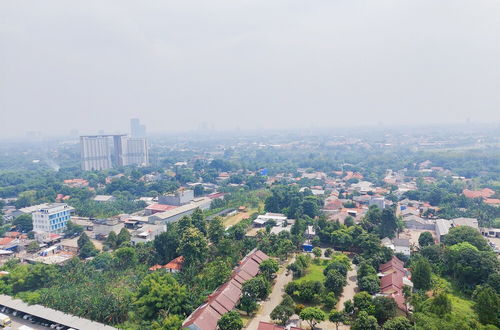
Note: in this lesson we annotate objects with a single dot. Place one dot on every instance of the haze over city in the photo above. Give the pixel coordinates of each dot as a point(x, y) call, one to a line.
point(247, 64)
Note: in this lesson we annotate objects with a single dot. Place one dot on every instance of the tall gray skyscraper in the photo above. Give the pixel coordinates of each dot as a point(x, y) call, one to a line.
point(136, 129)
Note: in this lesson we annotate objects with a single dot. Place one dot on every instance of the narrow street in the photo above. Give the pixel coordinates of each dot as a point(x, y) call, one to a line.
point(350, 290)
point(274, 298)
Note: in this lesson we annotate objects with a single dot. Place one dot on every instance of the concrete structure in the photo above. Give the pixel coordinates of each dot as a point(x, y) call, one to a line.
point(136, 152)
point(377, 201)
point(52, 218)
point(102, 227)
point(136, 129)
point(416, 222)
point(442, 228)
point(98, 153)
point(402, 245)
point(261, 220)
point(104, 198)
point(469, 222)
point(52, 315)
point(95, 152)
point(180, 197)
point(175, 214)
point(147, 233)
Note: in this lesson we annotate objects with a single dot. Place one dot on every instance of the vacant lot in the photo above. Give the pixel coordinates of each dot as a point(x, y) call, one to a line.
point(314, 273)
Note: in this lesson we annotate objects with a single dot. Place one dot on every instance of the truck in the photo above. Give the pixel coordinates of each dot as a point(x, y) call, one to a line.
point(4, 321)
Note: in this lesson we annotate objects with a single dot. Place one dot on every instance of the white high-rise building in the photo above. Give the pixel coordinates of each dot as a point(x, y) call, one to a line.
point(52, 218)
point(136, 152)
point(100, 152)
point(95, 153)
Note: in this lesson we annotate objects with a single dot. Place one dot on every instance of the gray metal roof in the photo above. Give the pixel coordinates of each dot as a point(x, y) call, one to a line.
point(52, 315)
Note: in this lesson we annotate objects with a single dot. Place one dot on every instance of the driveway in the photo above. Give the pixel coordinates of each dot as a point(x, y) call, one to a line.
point(274, 298)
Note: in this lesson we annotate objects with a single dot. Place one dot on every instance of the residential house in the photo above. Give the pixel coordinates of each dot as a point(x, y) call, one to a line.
point(393, 278)
point(226, 297)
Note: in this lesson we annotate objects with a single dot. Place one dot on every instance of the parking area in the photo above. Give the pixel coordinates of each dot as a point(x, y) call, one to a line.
point(20, 319)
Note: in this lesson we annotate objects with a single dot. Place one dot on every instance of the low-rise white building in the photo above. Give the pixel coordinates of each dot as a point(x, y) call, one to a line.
point(52, 218)
point(262, 219)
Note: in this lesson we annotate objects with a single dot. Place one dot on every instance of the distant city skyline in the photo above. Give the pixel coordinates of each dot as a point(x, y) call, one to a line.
point(92, 66)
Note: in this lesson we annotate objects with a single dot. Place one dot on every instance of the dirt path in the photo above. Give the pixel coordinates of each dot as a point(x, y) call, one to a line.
point(232, 220)
point(274, 298)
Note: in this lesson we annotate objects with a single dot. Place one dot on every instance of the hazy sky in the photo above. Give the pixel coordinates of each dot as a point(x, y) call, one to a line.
point(91, 65)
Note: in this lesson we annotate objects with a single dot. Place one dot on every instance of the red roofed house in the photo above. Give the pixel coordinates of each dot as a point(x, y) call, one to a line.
point(173, 266)
point(227, 296)
point(393, 277)
point(492, 201)
point(484, 193)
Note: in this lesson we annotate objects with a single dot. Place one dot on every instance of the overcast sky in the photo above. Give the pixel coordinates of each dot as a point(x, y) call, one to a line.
point(92, 65)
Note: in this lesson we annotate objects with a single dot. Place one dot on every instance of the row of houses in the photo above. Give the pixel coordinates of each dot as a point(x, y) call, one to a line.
point(227, 296)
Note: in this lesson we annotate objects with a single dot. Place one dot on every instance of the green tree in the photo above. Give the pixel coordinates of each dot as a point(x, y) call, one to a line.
point(335, 281)
point(32, 247)
point(170, 322)
point(282, 313)
point(385, 308)
point(72, 229)
point(487, 305)
point(363, 302)
point(110, 241)
point(462, 234)
point(123, 237)
point(248, 304)
point(230, 321)
point(87, 250)
point(369, 283)
point(83, 240)
point(166, 244)
point(312, 315)
point(337, 317)
point(389, 223)
point(193, 246)
point(23, 223)
point(365, 322)
point(268, 268)
point(160, 291)
point(425, 239)
point(216, 230)
point(126, 257)
point(398, 323)
point(441, 304)
point(421, 274)
point(257, 288)
point(317, 252)
point(198, 220)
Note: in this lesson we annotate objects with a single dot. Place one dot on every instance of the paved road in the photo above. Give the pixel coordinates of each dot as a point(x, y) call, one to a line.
point(350, 290)
point(274, 298)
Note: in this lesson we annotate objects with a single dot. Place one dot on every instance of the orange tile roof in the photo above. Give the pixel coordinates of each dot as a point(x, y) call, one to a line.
point(484, 193)
point(6, 240)
point(175, 264)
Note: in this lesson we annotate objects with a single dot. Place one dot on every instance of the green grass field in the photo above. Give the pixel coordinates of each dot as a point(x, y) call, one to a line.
point(313, 273)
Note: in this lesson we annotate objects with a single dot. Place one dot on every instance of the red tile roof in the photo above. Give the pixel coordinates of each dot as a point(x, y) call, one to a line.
point(484, 193)
point(227, 296)
point(391, 284)
point(6, 240)
point(175, 264)
point(492, 201)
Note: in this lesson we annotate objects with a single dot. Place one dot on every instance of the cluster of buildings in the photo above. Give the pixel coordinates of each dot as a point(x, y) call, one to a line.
point(104, 151)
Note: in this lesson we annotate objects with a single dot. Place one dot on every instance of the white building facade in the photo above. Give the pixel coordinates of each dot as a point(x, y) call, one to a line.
point(52, 218)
